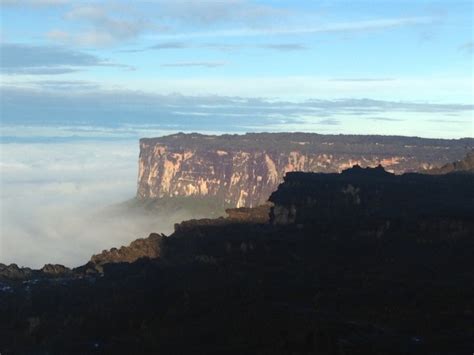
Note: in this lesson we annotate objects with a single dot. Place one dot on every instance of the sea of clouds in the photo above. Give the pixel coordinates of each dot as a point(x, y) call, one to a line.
point(55, 198)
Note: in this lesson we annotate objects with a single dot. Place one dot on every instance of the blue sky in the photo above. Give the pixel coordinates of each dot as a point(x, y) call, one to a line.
point(377, 67)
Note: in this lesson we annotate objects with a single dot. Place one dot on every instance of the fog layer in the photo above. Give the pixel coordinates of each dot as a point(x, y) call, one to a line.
point(54, 200)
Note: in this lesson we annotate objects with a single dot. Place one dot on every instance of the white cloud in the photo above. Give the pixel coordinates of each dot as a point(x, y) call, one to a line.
point(35, 2)
point(53, 198)
point(128, 113)
point(467, 48)
point(349, 27)
point(212, 12)
point(24, 59)
point(438, 89)
point(102, 25)
point(195, 64)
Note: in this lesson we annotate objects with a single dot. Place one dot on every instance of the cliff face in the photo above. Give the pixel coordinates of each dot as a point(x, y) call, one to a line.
point(372, 199)
point(242, 171)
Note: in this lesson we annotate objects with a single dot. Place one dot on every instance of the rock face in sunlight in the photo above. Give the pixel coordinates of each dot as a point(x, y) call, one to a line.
point(243, 170)
point(14, 272)
point(140, 248)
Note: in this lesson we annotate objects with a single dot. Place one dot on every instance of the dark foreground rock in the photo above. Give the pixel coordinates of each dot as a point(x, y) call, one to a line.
point(361, 278)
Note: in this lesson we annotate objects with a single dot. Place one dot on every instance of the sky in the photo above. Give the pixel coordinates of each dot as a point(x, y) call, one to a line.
point(378, 67)
point(82, 81)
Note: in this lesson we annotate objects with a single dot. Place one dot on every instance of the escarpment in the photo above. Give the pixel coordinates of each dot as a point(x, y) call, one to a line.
point(437, 206)
point(243, 170)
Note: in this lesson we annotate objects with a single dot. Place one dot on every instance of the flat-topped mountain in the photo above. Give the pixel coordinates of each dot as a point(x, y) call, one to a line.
point(243, 170)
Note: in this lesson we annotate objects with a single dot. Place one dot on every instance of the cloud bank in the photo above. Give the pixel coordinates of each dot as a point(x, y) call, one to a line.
point(46, 60)
point(55, 197)
point(66, 103)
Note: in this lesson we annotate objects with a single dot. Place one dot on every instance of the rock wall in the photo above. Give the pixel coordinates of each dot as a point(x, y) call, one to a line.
point(360, 198)
point(242, 171)
point(139, 248)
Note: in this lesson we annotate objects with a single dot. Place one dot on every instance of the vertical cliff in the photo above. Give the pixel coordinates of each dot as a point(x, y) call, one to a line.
point(361, 197)
point(243, 170)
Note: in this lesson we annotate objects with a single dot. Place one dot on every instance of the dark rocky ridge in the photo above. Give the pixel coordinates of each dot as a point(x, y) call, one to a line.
point(139, 248)
point(347, 272)
point(243, 170)
point(14, 272)
point(360, 195)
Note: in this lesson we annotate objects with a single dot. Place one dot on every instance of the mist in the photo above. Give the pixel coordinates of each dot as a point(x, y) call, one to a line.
point(56, 198)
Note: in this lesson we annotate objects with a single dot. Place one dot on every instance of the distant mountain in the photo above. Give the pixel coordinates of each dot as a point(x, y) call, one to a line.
point(218, 172)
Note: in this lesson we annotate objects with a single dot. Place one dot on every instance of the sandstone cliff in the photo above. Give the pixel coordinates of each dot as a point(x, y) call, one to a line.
point(243, 170)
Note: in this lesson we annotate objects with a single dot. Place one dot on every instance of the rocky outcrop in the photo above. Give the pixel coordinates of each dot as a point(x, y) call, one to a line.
point(259, 214)
point(55, 270)
point(14, 272)
point(241, 215)
point(243, 170)
point(140, 248)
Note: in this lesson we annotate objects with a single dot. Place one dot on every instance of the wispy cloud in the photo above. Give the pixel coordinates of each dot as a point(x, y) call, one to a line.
point(64, 102)
point(329, 122)
point(160, 46)
point(211, 12)
point(439, 120)
point(354, 26)
point(46, 60)
point(102, 26)
point(34, 2)
point(169, 45)
point(467, 48)
point(76, 85)
point(284, 47)
point(40, 70)
point(362, 79)
point(384, 119)
point(195, 64)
